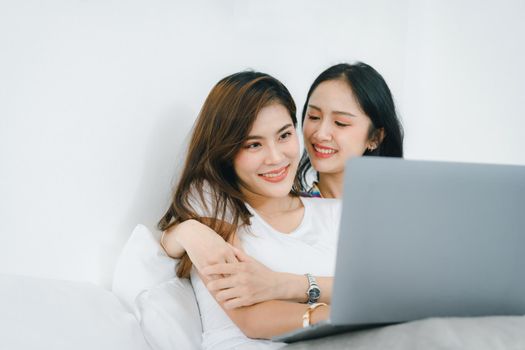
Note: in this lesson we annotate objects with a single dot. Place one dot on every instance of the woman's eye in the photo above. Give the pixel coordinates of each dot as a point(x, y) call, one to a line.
point(313, 117)
point(286, 135)
point(253, 145)
point(341, 124)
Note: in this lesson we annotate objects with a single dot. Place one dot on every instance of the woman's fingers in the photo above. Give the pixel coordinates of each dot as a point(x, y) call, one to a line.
point(235, 303)
point(230, 299)
point(240, 255)
point(227, 294)
point(222, 269)
point(221, 283)
point(230, 257)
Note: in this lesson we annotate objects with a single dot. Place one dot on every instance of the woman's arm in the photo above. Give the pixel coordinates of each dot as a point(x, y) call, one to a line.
point(262, 320)
point(294, 288)
point(203, 245)
point(271, 318)
point(241, 280)
point(170, 243)
point(248, 282)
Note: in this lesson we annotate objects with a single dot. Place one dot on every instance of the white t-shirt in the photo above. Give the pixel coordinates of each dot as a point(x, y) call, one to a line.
point(311, 248)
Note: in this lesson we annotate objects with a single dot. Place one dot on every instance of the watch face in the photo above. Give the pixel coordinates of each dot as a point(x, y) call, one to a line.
point(314, 293)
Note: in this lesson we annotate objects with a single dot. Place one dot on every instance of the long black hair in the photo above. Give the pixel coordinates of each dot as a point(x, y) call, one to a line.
point(374, 98)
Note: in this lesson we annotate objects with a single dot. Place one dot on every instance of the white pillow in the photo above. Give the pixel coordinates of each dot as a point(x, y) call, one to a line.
point(168, 312)
point(169, 316)
point(38, 313)
point(141, 265)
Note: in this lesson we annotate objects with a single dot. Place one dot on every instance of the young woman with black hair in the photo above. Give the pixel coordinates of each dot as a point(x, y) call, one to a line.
point(349, 112)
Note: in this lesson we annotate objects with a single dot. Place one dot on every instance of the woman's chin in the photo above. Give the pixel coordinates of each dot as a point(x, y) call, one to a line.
point(327, 167)
point(276, 190)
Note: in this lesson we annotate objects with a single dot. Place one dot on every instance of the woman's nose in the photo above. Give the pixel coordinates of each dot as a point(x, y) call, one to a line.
point(324, 132)
point(274, 156)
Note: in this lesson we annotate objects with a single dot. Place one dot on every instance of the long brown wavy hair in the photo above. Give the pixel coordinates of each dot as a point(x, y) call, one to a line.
point(219, 132)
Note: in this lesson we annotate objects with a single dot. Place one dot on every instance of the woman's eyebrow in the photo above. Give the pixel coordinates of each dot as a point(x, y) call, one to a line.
point(284, 128)
point(257, 137)
point(314, 107)
point(347, 114)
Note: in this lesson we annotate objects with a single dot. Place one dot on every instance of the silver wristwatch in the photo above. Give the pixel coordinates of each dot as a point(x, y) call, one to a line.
point(313, 293)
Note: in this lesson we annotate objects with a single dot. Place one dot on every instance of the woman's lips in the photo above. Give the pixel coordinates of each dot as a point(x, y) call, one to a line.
point(275, 175)
point(323, 151)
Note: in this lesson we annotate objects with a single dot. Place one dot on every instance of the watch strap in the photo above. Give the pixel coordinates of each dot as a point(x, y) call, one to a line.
point(312, 285)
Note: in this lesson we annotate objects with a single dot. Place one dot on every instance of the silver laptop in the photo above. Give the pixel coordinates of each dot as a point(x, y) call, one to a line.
point(425, 239)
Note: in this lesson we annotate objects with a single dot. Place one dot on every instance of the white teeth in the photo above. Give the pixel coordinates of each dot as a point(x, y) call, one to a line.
point(275, 175)
point(325, 151)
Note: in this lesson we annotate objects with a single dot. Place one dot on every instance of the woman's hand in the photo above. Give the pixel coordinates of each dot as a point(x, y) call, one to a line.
point(243, 283)
point(203, 245)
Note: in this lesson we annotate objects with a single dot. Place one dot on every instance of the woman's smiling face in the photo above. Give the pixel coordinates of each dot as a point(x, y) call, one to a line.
point(335, 128)
point(267, 163)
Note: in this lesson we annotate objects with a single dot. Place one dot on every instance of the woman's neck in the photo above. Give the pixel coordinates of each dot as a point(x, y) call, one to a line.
point(272, 206)
point(283, 214)
point(331, 185)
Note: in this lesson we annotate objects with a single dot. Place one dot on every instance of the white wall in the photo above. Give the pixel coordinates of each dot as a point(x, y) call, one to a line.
point(465, 81)
point(97, 98)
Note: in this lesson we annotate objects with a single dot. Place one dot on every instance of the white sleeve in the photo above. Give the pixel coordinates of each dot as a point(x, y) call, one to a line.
point(205, 207)
point(201, 206)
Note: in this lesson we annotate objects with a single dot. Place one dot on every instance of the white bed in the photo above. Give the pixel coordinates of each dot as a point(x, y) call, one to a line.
point(51, 314)
point(151, 309)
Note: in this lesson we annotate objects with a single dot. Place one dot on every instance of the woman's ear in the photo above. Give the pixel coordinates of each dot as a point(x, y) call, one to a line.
point(376, 139)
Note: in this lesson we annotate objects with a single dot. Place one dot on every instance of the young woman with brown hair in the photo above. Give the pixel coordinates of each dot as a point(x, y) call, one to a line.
point(237, 201)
